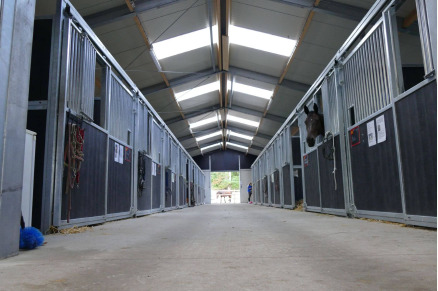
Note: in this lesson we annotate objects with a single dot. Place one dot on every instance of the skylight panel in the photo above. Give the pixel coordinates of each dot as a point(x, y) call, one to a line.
point(197, 91)
point(203, 122)
point(261, 41)
point(243, 121)
point(209, 135)
point(244, 136)
point(254, 91)
point(211, 146)
point(183, 43)
point(237, 145)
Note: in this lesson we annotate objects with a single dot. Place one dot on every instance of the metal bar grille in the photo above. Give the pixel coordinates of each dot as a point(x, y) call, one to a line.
point(121, 115)
point(143, 128)
point(366, 77)
point(89, 71)
point(331, 118)
point(174, 157)
point(82, 63)
point(156, 142)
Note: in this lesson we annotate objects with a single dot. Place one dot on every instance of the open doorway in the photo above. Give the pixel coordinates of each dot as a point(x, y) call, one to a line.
point(225, 187)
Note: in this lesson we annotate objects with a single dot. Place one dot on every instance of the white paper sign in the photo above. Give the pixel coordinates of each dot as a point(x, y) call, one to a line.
point(371, 133)
point(154, 169)
point(121, 150)
point(116, 152)
point(381, 130)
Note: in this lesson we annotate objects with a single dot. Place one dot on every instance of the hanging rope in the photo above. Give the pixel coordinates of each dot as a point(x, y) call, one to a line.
point(73, 158)
point(329, 152)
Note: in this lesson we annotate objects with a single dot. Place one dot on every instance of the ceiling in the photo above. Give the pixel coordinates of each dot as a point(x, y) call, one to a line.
point(133, 30)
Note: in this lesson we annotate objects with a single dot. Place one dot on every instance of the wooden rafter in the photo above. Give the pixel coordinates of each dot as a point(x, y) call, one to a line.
point(289, 62)
point(149, 47)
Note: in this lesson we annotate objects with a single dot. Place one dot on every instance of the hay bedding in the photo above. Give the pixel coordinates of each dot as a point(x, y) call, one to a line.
point(71, 230)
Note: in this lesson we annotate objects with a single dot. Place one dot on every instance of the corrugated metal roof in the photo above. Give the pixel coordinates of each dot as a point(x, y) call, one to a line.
point(129, 35)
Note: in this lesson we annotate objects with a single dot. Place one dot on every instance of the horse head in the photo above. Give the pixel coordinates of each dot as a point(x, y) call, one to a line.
point(314, 124)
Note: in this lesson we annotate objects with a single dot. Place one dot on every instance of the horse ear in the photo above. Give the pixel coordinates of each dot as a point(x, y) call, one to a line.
point(315, 108)
point(306, 110)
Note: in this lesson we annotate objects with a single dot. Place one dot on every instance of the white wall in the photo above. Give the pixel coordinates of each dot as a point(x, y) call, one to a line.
point(245, 178)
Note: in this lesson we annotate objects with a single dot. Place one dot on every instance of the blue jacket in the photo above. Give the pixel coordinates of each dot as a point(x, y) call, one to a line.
point(249, 188)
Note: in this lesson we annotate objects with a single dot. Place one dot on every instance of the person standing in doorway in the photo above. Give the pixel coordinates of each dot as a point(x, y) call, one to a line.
point(249, 193)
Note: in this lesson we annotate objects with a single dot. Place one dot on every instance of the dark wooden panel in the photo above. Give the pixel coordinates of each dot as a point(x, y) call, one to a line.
point(88, 199)
point(376, 183)
point(330, 197)
point(174, 190)
point(311, 180)
point(182, 191)
point(296, 151)
point(417, 125)
point(144, 198)
point(298, 184)
point(276, 188)
point(156, 187)
point(168, 188)
point(287, 185)
point(265, 197)
point(119, 180)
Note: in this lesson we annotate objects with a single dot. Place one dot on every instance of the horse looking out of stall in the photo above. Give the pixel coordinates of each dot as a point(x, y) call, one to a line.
point(314, 124)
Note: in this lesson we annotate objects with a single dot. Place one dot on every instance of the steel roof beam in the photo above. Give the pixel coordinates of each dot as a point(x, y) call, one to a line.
point(121, 12)
point(198, 134)
point(248, 132)
point(330, 7)
point(203, 145)
point(293, 85)
point(272, 117)
point(193, 114)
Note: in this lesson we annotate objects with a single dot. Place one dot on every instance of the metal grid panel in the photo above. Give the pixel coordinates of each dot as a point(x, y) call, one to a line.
point(174, 160)
point(166, 150)
point(80, 95)
point(155, 142)
point(270, 160)
point(143, 120)
point(184, 165)
point(366, 77)
point(329, 99)
point(279, 152)
point(121, 107)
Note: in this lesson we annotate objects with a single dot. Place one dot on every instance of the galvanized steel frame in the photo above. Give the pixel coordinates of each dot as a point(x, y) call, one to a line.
point(63, 23)
point(393, 67)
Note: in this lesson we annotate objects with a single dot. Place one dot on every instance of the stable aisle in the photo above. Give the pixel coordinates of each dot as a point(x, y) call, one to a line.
point(230, 247)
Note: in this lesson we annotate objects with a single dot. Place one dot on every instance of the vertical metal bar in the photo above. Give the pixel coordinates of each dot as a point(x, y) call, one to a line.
point(395, 76)
point(59, 159)
point(360, 62)
point(426, 46)
point(50, 150)
point(377, 72)
point(369, 82)
point(391, 41)
point(319, 180)
point(210, 23)
point(386, 84)
point(136, 147)
point(373, 71)
point(161, 161)
point(342, 106)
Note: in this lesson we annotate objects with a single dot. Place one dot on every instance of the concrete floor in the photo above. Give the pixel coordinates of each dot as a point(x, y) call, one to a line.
point(230, 247)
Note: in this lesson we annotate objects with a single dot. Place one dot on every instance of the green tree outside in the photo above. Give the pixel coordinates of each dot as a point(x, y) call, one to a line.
point(225, 180)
